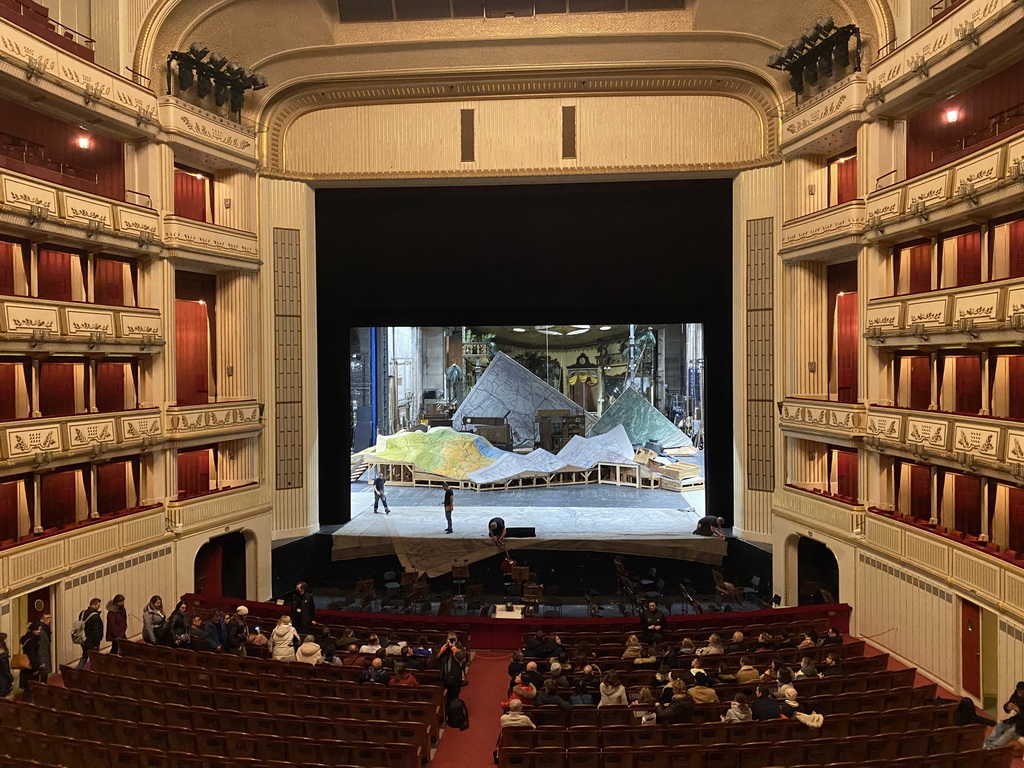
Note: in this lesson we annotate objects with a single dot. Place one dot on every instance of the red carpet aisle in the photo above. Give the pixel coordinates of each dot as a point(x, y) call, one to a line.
point(488, 683)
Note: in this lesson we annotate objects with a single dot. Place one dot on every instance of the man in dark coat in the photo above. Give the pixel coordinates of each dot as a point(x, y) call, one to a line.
point(376, 673)
point(652, 622)
point(217, 632)
point(765, 706)
point(93, 630)
point(451, 657)
point(238, 632)
point(303, 610)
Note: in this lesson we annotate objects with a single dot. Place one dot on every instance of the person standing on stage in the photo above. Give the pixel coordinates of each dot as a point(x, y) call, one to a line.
point(378, 495)
point(449, 505)
point(496, 530)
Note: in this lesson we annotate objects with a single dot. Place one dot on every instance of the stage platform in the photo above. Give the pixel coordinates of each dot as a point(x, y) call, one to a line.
point(627, 521)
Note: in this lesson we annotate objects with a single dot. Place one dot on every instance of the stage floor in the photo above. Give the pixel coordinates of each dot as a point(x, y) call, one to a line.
point(592, 518)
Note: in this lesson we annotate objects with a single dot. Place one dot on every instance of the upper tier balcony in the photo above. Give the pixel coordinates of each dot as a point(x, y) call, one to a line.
point(840, 423)
point(38, 441)
point(192, 129)
point(986, 184)
point(829, 119)
point(821, 510)
point(200, 241)
point(217, 507)
point(987, 313)
point(77, 89)
point(78, 328)
point(973, 37)
point(34, 207)
point(831, 234)
point(214, 421)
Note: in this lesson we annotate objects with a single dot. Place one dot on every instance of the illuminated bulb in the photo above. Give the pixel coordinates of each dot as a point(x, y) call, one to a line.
point(201, 301)
point(606, 327)
point(519, 330)
point(84, 142)
point(952, 115)
point(199, 176)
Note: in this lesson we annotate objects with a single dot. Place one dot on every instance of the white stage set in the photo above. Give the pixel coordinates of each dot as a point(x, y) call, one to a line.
point(607, 492)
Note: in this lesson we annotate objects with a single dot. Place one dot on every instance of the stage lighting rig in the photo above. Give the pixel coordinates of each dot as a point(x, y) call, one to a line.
point(213, 73)
point(817, 52)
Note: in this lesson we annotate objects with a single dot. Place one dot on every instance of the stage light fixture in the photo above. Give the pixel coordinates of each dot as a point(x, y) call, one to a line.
point(796, 82)
point(213, 73)
point(197, 51)
point(204, 86)
point(824, 25)
point(825, 65)
point(217, 60)
point(841, 52)
point(816, 53)
point(186, 76)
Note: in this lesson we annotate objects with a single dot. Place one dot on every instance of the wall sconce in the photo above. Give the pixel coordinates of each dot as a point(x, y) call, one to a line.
point(965, 33)
point(43, 457)
point(874, 223)
point(37, 336)
point(96, 337)
point(1017, 470)
point(37, 213)
point(875, 443)
point(93, 93)
point(145, 239)
point(966, 326)
point(875, 92)
point(918, 65)
point(918, 450)
point(919, 208)
point(965, 192)
point(965, 459)
point(876, 334)
point(1017, 323)
point(93, 228)
point(148, 340)
point(1016, 169)
point(100, 448)
point(36, 67)
point(917, 331)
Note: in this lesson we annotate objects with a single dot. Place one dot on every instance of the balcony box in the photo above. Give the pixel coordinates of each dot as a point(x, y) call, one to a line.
point(55, 326)
point(213, 421)
point(819, 509)
point(829, 119)
point(945, 57)
point(193, 129)
point(838, 423)
point(832, 234)
point(217, 507)
point(39, 440)
point(210, 243)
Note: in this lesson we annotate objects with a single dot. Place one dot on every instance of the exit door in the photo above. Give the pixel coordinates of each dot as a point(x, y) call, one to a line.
point(970, 648)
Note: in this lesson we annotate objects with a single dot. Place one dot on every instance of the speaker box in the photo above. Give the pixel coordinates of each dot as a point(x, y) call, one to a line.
point(521, 533)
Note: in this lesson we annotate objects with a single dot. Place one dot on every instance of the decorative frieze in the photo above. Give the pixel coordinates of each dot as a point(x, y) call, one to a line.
point(84, 433)
point(930, 190)
point(141, 427)
point(29, 318)
point(979, 172)
point(222, 245)
point(976, 440)
point(82, 322)
point(198, 420)
point(821, 233)
point(980, 307)
point(844, 420)
point(29, 196)
point(927, 312)
point(834, 110)
point(885, 427)
point(81, 208)
point(884, 316)
point(927, 432)
point(29, 440)
point(884, 206)
point(21, 441)
point(199, 130)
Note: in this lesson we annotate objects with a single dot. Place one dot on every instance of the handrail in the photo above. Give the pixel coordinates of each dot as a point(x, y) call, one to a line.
point(68, 33)
point(137, 76)
point(149, 199)
point(999, 123)
point(886, 49)
point(878, 181)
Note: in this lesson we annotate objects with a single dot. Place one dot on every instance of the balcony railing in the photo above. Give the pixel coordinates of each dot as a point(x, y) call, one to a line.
point(821, 509)
point(1000, 124)
point(824, 234)
point(196, 128)
point(35, 18)
point(823, 418)
point(72, 325)
point(40, 440)
point(215, 508)
point(815, 119)
point(234, 247)
point(186, 422)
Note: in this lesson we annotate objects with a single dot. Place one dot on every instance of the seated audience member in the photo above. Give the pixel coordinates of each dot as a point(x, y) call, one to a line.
point(967, 714)
point(784, 641)
point(515, 716)
point(558, 677)
point(582, 654)
point(790, 706)
point(785, 680)
point(517, 665)
point(714, 674)
point(612, 690)
point(197, 639)
point(644, 707)
point(411, 660)
point(327, 644)
point(810, 640)
point(738, 644)
point(394, 646)
point(807, 668)
point(634, 650)
point(701, 692)
point(833, 637)
point(388, 662)
point(354, 658)
point(764, 643)
point(832, 666)
point(668, 686)
point(422, 647)
point(345, 639)
point(309, 652)
point(589, 678)
point(1012, 727)
point(765, 706)
point(534, 648)
point(549, 695)
point(376, 672)
point(679, 709)
point(523, 690)
point(696, 667)
point(738, 712)
point(372, 645)
point(582, 695)
point(747, 673)
point(402, 676)
point(553, 649)
point(771, 672)
point(216, 629)
point(284, 640)
point(687, 647)
point(713, 647)
point(532, 675)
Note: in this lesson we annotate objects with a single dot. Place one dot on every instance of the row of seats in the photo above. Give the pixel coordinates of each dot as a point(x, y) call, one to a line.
point(750, 756)
point(723, 626)
point(937, 720)
point(322, 705)
point(168, 715)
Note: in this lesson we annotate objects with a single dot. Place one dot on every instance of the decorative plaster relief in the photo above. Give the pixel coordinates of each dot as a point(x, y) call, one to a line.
point(134, 220)
point(816, 417)
point(137, 326)
point(137, 427)
point(86, 432)
point(925, 432)
point(1015, 447)
point(84, 209)
point(929, 191)
point(27, 49)
point(1015, 302)
point(792, 414)
point(213, 418)
point(885, 206)
point(887, 427)
point(29, 440)
point(928, 312)
point(983, 442)
point(847, 421)
point(980, 306)
point(884, 315)
point(82, 323)
point(209, 238)
point(25, 194)
point(980, 172)
point(26, 318)
point(847, 219)
point(847, 100)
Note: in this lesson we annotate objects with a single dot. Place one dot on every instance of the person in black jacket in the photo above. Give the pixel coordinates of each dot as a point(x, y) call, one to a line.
point(6, 676)
point(765, 706)
point(179, 621)
point(93, 630)
point(548, 694)
point(451, 657)
point(652, 622)
point(30, 647)
point(303, 611)
point(238, 632)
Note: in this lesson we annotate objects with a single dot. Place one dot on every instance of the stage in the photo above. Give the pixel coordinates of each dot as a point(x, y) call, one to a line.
point(591, 518)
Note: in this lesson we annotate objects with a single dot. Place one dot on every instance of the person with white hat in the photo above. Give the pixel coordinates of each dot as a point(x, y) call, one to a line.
point(238, 632)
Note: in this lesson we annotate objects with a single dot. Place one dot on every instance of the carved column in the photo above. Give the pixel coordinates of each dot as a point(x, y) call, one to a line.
point(986, 381)
point(934, 365)
point(34, 397)
point(936, 507)
point(94, 487)
point(37, 501)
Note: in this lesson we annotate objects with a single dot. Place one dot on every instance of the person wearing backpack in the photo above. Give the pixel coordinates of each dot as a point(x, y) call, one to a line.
point(88, 630)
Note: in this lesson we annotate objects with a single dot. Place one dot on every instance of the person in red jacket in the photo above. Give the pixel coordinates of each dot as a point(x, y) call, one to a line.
point(403, 676)
point(117, 622)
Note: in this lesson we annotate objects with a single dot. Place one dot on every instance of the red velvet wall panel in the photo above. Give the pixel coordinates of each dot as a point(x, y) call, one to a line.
point(847, 181)
point(59, 141)
point(846, 474)
point(1015, 388)
point(108, 282)
point(920, 492)
point(193, 472)
point(110, 380)
point(968, 384)
point(57, 389)
point(192, 353)
point(1015, 519)
point(111, 488)
point(9, 510)
point(847, 340)
point(189, 195)
point(920, 382)
point(929, 131)
point(8, 374)
point(7, 256)
point(55, 275)
point(1016, 248)
point(57, 499)
point(920, 268)
point(968, 258)
point(967, 504)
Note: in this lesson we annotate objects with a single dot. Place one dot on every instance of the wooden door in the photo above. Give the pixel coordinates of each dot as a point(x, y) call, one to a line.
point(970, 648)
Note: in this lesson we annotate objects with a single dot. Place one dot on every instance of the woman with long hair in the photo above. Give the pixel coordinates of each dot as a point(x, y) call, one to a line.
point(117, 623)
point(284, 640)
point(612, 690)
point(154, 622)
point(179, 622)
